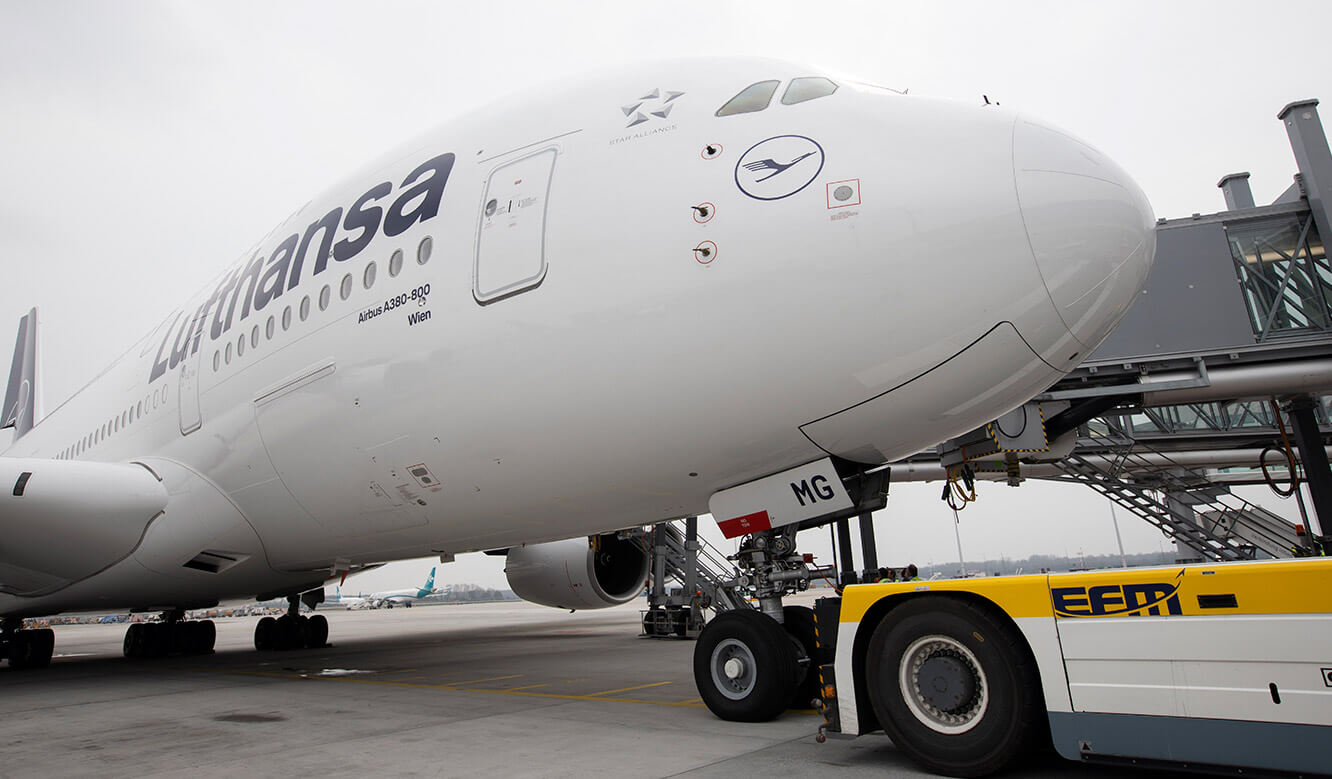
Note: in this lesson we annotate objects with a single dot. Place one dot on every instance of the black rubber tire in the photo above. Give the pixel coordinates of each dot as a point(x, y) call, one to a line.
point(133, 646)
point(289, 632)
point(799, 625)
point(316, 632)
point(1011, 719)
point(156, 639)
point(20, 650)
point(206, 637)
point(179, 637)
point(265, 634)
point(41, 647)
point(772, 675)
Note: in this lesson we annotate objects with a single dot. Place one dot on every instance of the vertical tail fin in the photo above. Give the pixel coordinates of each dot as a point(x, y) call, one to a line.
point(429, 585)
point(21, 406)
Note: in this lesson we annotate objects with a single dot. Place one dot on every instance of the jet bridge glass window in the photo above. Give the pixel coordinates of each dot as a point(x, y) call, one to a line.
point(1283, 274)
point(807, 88)
point(754, 97)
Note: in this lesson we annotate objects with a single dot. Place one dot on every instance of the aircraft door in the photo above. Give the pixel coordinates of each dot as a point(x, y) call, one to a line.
point(191, 417)
point(511, 231)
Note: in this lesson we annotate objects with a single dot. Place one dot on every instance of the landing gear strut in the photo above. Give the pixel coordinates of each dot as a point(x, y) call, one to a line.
point(174, 635)
point(750, 666)
point(26, 648)
point(292, 630)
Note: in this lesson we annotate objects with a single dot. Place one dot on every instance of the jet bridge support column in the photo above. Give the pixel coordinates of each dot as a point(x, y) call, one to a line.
point(847, 574)
point(868, 550)
point(1317, 472)
point(1180, 508)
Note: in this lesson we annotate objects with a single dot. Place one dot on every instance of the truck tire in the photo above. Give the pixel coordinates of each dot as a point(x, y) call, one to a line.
point(745, 666)
point(953, 686)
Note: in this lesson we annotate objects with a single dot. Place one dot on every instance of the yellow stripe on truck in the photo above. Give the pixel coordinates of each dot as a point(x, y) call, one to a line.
point(1266, 587)
point(1020, 596)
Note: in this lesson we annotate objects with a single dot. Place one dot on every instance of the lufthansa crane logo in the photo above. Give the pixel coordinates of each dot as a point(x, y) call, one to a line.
point(778, 167)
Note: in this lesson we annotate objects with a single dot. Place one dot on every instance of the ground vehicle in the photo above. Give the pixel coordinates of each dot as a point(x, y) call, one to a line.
point(1223, 665)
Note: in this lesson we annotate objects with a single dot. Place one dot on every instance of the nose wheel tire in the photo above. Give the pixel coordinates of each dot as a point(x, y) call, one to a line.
point(745, 667)
point(954, 686)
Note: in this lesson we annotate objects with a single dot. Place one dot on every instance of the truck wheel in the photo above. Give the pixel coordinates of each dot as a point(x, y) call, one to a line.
point(799, 626)
point(953, 686)
point(744, 666)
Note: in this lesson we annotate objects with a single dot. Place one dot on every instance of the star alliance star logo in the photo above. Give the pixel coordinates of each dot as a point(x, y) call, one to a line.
point(652, 104)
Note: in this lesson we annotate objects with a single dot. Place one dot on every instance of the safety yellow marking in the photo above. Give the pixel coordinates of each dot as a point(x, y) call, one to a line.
point(528, 687)
point(692, 700)
point(626, 689)
point(1019, 596)
point(487, 679)
point(1301, 586)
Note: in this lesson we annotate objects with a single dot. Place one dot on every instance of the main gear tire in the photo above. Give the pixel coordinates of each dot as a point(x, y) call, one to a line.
point(316, 631)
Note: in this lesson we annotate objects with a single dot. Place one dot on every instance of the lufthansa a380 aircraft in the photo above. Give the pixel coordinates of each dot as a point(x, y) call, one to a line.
point(569, 314)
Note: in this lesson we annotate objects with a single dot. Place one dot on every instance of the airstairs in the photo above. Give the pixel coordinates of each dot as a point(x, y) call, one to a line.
point(1188, 507)
point(688, 578)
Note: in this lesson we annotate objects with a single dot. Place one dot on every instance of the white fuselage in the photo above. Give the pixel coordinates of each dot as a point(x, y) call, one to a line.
point(579, 364)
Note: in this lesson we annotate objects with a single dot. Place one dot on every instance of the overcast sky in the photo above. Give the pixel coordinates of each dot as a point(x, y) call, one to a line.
point(143, 145)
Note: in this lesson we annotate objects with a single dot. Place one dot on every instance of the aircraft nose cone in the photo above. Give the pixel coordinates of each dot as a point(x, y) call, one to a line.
point(1090, 227)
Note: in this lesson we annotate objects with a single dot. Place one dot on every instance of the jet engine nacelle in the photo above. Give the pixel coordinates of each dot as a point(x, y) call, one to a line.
point(578, 573)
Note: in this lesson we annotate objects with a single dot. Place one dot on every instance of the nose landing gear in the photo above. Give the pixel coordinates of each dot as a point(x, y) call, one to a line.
point(750, 666)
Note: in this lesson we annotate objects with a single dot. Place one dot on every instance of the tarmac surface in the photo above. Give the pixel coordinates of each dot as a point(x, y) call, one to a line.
point(501, 689)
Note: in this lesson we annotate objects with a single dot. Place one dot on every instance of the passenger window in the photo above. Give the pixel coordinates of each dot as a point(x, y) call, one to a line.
point(395, 262)
point(305, 308)
point(346, 286)
point(754, 97)
point(269, 327)
point(807, 88)
point(369, 279)
point(286, 317)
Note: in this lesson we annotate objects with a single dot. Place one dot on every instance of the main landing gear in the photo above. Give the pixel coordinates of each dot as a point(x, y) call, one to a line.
point(26, 648)
point(174, 635)
point(750, 666)
point(292, 630)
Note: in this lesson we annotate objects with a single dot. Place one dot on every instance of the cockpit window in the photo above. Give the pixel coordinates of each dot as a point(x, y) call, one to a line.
point(754, 97)
point(807, 88)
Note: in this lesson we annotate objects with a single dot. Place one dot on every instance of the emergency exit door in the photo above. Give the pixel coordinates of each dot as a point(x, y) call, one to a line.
point(511, 234)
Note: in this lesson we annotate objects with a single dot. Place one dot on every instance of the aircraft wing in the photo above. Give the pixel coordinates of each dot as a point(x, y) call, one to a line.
point(64, 520)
